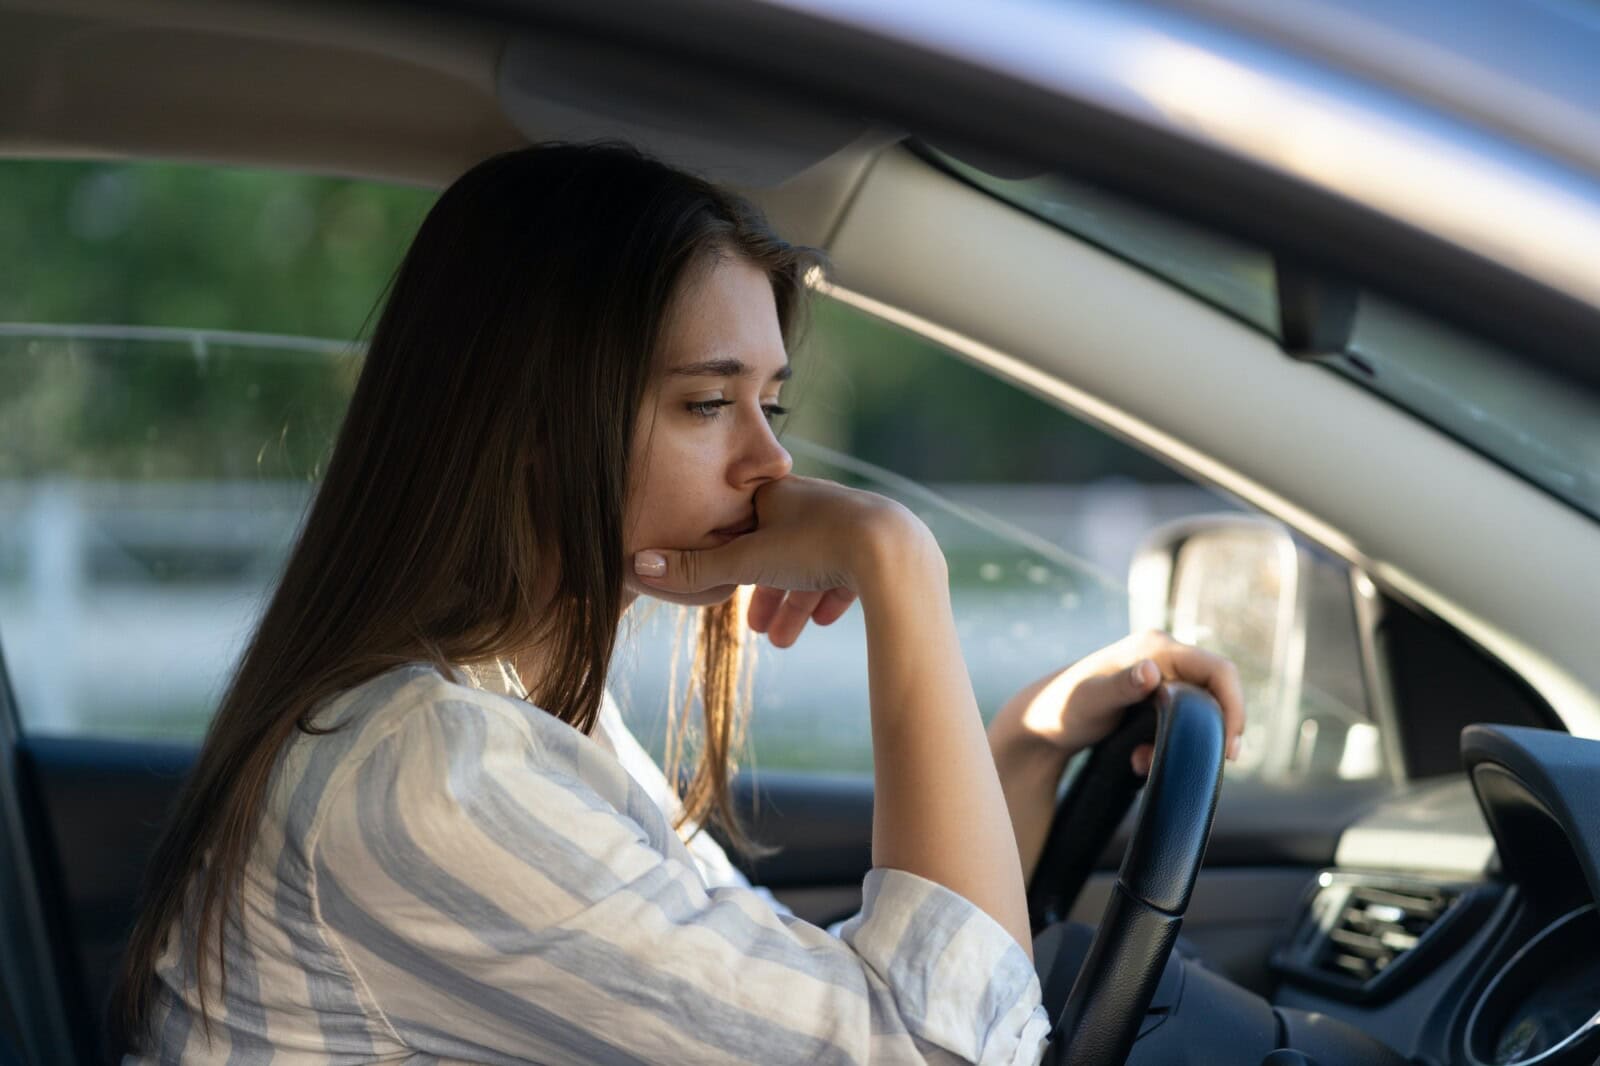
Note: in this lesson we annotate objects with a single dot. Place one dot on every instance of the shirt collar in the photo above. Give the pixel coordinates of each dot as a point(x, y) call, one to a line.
point(494, 675)
point(499, 676)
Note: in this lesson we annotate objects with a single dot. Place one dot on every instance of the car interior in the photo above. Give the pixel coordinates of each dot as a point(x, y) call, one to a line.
point(1438, 910)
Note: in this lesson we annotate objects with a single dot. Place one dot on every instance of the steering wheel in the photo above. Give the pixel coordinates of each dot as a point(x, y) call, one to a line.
point(1103, 1012)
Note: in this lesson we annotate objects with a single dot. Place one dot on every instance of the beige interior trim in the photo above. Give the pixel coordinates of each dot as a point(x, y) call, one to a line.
point(248, 83)
point(382, 94)
point(1424, 515)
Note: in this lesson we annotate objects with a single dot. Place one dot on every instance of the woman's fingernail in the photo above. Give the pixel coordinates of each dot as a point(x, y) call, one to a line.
point(1147, 673)
point(650, 564)
point(1233, 747)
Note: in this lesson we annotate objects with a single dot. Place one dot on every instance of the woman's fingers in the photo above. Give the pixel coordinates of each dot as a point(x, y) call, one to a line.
point(835, 602)
point(764, 604)
point(1188, 663)
point(782, 615)
point(1103, 694)
point(694, 570)
point(1106, 683)
point(791, 617)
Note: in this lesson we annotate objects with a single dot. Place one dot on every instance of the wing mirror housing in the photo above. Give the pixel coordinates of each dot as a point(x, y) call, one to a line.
point(1287, 616)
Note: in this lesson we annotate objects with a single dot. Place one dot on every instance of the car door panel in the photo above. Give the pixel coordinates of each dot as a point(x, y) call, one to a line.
point(95, 810)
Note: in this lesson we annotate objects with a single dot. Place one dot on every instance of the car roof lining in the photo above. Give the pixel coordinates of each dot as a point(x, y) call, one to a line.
point(394, 98)
point(366, 101)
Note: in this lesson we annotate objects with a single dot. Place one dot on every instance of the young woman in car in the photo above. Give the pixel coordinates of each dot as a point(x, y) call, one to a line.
point(418, 828)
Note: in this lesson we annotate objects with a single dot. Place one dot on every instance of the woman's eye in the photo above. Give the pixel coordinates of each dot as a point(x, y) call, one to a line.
point(709, 408)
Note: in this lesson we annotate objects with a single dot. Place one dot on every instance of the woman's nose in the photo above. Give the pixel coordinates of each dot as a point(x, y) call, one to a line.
point(762, 458)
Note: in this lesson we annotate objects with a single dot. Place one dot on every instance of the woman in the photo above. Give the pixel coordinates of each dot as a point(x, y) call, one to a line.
point(411, 836)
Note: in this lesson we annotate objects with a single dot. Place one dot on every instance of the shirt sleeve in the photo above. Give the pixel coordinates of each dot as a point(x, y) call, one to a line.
point(495, 907)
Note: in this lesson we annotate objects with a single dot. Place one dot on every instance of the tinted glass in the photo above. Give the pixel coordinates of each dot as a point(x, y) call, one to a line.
point(169, 394)
point(1541, 428)
point(1040, 515)
point(177, 345)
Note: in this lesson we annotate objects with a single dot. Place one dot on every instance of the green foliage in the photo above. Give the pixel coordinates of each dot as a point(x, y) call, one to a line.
point(197, 248)
point(130, 411)
point(298, 256)
point(161, 244)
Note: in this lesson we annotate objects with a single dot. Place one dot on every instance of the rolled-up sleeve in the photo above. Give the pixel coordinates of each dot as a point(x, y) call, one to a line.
point(496, 907)
point(957, 977)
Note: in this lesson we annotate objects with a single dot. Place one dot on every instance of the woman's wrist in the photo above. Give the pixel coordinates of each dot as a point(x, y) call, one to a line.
point(1015, 739)
point(895, 555)
point(1036, 720)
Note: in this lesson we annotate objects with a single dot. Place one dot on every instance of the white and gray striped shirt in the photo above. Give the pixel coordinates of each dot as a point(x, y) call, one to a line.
point(454, 875)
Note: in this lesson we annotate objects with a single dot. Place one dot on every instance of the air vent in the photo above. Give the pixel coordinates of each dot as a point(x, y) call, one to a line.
point(1363, 937)
point(1376, 926)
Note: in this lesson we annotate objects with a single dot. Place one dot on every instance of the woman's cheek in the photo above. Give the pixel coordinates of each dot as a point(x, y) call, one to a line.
point(685, 492)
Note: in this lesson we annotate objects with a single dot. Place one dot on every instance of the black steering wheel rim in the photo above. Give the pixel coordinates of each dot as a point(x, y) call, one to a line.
point(1113, 988)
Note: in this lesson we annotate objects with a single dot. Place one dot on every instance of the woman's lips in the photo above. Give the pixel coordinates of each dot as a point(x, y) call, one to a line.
point(728, 533)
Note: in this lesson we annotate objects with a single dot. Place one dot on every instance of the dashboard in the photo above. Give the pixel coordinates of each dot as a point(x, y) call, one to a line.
point(1460, 923)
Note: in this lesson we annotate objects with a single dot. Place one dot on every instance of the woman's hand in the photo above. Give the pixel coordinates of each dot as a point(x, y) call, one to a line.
point(814, 546)
point(1059, 715)
point(1082, 704)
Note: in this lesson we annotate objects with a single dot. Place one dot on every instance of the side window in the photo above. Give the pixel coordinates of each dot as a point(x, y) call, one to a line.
point(174, 362)
point(1040, 515)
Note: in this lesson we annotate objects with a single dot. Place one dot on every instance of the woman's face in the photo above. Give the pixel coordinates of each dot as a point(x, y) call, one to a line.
point(704, 440)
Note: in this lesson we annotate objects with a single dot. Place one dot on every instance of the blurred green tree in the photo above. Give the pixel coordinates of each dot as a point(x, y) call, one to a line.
point(293, 256)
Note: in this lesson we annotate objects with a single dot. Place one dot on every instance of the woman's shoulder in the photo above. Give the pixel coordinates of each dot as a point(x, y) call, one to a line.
point(402, 714)
point(411, 696)
point(415, 713)
point(387, 698)
point(437, 749)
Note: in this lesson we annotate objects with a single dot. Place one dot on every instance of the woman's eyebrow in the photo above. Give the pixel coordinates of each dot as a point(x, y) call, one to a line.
point(723, 368)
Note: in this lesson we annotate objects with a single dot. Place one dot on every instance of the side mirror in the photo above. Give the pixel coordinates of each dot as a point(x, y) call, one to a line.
point(1244, 587)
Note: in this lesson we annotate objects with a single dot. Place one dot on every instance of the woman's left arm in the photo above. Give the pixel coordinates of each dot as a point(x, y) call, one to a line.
point(1045, 724)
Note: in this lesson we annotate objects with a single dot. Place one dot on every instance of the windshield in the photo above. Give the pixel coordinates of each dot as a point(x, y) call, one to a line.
point(1541, 428)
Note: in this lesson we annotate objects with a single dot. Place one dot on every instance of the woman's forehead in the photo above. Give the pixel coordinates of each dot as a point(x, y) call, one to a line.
point(725, 324)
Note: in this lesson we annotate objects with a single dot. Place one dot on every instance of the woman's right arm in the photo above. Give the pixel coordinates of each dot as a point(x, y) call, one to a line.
point(939, 811)
point(938, 808)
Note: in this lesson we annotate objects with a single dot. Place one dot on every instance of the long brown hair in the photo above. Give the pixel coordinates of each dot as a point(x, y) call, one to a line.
point(473, 502)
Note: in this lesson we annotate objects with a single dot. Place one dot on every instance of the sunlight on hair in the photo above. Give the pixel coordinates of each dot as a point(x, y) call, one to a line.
point(720, 678)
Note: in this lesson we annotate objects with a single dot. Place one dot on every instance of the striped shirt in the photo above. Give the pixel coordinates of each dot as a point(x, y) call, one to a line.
point(456, 876)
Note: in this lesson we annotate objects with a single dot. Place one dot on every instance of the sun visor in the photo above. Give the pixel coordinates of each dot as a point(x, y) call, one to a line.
point(568, 88)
